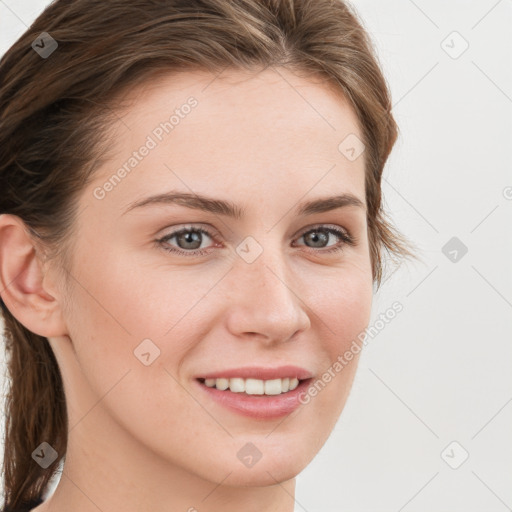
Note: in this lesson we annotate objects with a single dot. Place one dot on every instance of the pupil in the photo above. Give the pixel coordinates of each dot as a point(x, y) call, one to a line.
point(191, 237)
point(316, 236)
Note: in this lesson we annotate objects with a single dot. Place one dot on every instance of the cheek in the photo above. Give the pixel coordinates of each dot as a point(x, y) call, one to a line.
point(343, 304)
point(123, 309)
point(116, 319)
point(344, 311)
point(122, 294)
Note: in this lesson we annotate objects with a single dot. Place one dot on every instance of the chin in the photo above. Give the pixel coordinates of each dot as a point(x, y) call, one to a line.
point(262, 475)
point(277, 464)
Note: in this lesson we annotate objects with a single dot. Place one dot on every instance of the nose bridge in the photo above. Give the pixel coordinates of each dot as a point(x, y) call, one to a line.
point(263, 300)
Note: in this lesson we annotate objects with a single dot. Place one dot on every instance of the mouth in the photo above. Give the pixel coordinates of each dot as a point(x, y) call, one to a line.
point(270, 387)
point(255, 398)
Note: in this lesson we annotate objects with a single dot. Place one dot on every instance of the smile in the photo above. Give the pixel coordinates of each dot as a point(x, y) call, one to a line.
point(253, 386)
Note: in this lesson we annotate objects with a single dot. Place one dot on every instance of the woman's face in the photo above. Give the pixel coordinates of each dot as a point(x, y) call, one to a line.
point(261, 289)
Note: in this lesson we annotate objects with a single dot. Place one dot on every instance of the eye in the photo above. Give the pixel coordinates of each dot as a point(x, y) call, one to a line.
point(189, 240)
point(319, 236)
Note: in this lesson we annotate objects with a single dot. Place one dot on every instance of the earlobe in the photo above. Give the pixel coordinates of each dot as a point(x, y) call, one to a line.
point(22, 280)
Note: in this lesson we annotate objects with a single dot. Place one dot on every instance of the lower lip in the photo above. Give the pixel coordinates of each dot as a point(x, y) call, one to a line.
point(258, 406)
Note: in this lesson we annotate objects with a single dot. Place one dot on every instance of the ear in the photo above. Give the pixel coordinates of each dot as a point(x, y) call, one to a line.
point(24, 288)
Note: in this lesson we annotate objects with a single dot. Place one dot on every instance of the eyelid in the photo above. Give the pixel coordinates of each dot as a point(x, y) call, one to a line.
point(319, 226)
point(205, 229)
point(343, 233)
point(210, 230)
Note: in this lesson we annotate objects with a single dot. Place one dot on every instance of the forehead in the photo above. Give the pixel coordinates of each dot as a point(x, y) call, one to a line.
point(268, 131)
point(257, 99)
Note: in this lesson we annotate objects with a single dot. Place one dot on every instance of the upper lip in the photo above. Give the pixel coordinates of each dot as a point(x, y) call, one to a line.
point(260, 372)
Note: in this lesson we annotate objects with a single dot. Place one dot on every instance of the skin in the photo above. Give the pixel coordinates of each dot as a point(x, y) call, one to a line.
point(144, 438)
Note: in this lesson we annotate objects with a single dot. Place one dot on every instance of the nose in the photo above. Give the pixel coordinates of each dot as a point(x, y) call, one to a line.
point(264, 299)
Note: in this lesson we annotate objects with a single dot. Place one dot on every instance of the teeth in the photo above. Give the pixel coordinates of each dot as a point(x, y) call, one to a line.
point(222, 383)
point(254, 386)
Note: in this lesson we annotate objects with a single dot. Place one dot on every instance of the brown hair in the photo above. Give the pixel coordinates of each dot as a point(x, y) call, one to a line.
point(54, 117)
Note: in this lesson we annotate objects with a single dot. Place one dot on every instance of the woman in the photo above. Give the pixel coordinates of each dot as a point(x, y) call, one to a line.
point(190, 236)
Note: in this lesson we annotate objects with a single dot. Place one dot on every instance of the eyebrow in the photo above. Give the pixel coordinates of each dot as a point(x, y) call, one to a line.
point(230, 209)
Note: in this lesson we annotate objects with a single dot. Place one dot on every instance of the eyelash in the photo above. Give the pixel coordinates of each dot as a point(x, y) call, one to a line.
point(343, 235)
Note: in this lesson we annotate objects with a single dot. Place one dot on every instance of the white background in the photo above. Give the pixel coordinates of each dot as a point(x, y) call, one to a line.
point(441, 370)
